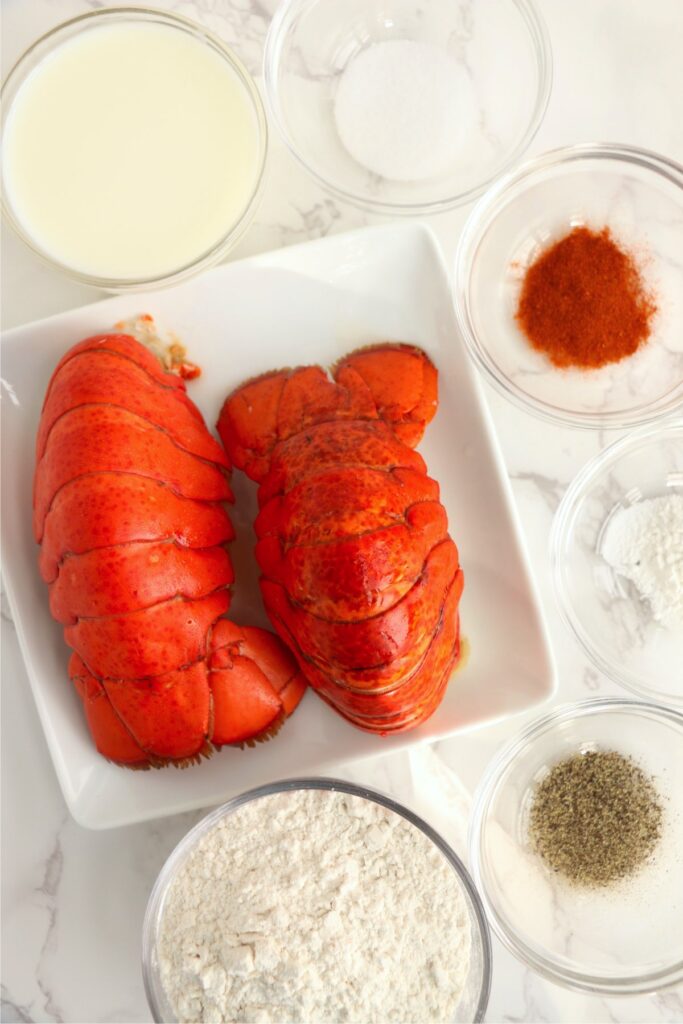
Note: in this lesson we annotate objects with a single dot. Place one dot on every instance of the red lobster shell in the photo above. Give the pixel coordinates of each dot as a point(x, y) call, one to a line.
point(129, 494)
point(360, 576)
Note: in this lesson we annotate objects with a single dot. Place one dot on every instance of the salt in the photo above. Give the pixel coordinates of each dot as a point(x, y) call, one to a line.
point(644, 543)
point(396, 109)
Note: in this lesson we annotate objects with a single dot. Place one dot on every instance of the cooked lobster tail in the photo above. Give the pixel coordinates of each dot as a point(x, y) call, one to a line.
point(360, 576)
point(129, 509)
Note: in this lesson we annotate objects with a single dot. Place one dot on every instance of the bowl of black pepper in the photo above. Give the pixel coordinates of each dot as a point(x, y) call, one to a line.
point(576, 845)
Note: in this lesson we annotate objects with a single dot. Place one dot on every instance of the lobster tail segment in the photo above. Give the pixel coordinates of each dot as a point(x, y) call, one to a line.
point(255, 683)
point(270, 409)
point(403, 383)
point(248, 422)
point(395, 383)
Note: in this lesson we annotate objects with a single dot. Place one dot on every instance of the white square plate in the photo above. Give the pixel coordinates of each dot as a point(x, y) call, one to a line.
point(309, 304)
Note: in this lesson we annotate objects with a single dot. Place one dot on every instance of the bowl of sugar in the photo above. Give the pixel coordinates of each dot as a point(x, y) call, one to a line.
point(133, 148)
point(315, 900)
point(400, 106)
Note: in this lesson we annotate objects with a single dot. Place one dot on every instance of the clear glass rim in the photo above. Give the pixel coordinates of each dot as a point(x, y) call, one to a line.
point(279, 27)
point(560, 533)
point(55, 37)
point(480, 219)
point(160, 889)
point(486, 790)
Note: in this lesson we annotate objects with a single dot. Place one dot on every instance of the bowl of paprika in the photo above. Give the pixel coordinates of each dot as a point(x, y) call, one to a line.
point(567, 285)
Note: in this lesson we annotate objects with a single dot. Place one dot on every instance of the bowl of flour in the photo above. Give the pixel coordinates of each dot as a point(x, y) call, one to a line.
point(315, 900)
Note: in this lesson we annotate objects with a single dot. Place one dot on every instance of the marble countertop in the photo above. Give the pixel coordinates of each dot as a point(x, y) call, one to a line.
point(73, 900)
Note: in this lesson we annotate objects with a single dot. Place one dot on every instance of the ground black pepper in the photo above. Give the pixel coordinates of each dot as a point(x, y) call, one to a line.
point(595, 818)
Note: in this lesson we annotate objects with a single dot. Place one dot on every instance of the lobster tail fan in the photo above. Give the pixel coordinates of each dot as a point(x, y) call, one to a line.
point(403, 383)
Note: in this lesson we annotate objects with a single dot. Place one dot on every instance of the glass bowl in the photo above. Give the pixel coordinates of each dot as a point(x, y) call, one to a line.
point(602, 608)
point(311, 42)
point(626, 939)
point(46, 45)
point(472, 1006)
point(639, 195)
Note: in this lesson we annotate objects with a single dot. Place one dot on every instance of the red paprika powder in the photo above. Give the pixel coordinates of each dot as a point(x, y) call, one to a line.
point(583, 301)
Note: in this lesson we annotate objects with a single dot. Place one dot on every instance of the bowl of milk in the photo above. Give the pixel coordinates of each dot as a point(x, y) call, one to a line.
point(134, 146)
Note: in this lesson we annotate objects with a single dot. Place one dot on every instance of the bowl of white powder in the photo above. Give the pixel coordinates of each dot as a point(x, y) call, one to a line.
point(401, 106)
point(315, 900)
point(617, 556)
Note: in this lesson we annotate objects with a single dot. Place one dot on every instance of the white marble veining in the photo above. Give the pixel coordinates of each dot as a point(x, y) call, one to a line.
point(73, 900)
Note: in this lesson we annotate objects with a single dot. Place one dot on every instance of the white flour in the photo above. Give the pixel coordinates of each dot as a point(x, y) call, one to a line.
point(315, 906)
point(644, 543)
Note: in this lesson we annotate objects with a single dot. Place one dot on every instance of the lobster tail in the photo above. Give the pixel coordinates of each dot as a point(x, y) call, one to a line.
point(129, 494)
point(360, 577)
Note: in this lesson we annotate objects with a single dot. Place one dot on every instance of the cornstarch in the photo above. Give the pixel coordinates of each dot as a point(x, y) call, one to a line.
point(644, 543)
point(318, 906)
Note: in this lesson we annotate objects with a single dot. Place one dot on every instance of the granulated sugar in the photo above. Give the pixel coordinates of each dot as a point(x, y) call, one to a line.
point(396, 109)
point(315, 906)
